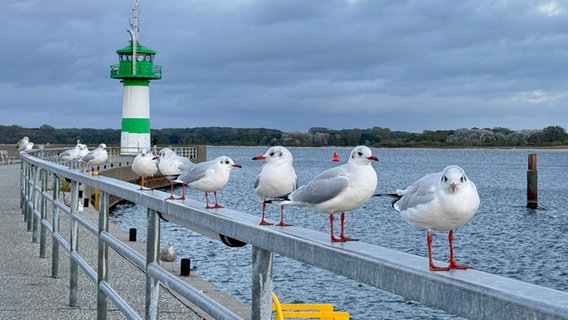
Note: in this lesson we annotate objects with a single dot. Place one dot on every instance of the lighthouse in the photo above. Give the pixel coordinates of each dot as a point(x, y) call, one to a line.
point(135, 70)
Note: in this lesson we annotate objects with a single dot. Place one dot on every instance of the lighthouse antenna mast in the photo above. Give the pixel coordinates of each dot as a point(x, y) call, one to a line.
point(134, 28)
point(135, 21)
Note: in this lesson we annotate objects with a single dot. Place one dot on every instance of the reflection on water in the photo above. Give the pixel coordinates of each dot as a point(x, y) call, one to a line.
point(504, 237)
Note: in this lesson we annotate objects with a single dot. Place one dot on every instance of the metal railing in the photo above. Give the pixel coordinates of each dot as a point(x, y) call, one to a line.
point(472, 294)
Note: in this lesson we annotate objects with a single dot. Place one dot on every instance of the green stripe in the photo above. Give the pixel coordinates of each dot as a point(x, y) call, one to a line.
point(136, 125)
point(136, 82)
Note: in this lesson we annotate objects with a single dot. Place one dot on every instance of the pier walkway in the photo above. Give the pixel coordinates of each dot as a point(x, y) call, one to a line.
point(29, 291)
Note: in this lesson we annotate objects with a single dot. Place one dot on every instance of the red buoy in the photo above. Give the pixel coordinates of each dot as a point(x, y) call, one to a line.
point(335, 157)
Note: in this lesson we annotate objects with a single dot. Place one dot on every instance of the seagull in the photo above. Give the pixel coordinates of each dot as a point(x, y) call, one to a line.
point(339, 189)
point(95, 158)
point(209, 176)
point(277, 178)
point(171, 166)
point(440, 201)
point(145, 165)
point(74, 154)
point(24, 144)
point(168, 254)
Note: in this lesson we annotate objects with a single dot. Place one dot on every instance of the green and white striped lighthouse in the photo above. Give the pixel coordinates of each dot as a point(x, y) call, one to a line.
point(135, 69)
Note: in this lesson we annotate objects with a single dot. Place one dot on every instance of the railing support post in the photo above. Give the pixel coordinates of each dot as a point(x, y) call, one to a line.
point(43, 211)
point(73, 245)
point(36, 203)
point(102, 256)
point(261, 283)
point(152, 256)
point(30, 203)
point(55, 230)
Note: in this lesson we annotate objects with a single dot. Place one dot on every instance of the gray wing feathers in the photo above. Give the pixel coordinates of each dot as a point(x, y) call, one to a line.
point(320, 190)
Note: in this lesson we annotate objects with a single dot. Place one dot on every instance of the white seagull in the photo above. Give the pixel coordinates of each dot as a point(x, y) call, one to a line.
point(145, 165)
point(168, 254)
point(340, 189)
point(209, 176)
point(74, 154)
point(171, 166)
point(277, 178)
point(24, 144)
point(95, 158)
point(440, 201)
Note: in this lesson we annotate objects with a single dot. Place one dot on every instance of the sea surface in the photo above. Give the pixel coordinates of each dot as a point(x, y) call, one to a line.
point(503, 238)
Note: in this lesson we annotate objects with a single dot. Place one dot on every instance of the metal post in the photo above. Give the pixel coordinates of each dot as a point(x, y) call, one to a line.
point(30, 199)
point(36, 196)
point(152, 256)
point(261, 283)
point(73, 245)
point(102, 252)
point(43, 209)
point(532, 183)
point(55, 231)
point(23, 167)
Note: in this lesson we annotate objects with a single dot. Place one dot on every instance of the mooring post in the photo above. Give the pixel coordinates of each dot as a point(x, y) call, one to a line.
point(532, 183)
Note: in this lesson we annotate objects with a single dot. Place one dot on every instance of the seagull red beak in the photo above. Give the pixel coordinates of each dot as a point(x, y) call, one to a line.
point(237, 166)
point(259, 158)
point(374, 158)
point(453, 186)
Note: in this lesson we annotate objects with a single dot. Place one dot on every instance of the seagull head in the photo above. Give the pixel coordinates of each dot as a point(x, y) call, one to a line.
point(453, 176)
point(276, 154)
point(227, 162)
point(363, 155)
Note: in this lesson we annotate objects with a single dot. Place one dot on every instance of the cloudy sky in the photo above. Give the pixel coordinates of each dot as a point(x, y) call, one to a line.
point(292, 65)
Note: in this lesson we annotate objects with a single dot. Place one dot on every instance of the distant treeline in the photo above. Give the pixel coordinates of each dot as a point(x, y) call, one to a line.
point(315, 137)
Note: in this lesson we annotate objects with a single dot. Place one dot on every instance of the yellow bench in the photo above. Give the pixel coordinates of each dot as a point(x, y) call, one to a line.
point(306, 311)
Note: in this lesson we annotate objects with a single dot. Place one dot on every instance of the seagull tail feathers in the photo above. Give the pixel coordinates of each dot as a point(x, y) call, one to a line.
point(395, 197)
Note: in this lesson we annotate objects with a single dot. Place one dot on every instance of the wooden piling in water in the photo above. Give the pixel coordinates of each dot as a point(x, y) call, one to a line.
point(532, 183)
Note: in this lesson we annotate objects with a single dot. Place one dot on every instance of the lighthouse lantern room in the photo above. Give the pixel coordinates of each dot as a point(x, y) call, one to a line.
point(135, 69)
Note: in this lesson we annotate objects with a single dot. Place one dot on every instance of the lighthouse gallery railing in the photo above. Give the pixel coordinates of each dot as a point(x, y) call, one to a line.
point(471, 293)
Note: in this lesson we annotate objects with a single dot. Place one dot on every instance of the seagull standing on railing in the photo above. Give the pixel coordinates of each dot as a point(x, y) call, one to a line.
point(24, 144)
point(145, 165)
point(277, 178)
point(168, 254)
point(440, 201)
point(74, 154)
point(171, 166)
point(337, 190)
point(95, 158)
point(209, 176)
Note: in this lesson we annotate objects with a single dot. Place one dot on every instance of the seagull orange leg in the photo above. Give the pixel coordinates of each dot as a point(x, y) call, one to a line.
point(216, 203)
point(453, 264)
point(333, 238)
point(430, 260)
point(262, 221)
point(207, 206)
point(282, 223)
point(342, 234)
point(171, 197)
point(182, 197)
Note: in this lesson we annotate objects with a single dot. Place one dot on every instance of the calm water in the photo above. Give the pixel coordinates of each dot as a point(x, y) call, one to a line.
point(504, 237)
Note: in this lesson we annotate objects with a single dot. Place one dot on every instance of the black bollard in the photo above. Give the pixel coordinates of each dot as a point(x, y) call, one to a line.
point(532, 183)
point(185, 266)
point(132, 234)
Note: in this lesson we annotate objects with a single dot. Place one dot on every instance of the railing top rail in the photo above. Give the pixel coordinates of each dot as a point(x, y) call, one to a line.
point(469, 293)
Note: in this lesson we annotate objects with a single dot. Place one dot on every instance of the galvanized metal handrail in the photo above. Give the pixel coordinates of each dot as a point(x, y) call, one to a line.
point(468, 293)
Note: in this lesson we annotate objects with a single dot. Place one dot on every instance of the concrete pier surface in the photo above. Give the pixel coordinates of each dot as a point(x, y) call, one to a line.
point(28, 290)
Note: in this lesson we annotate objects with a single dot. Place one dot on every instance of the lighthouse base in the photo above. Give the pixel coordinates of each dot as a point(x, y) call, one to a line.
point(131, 143)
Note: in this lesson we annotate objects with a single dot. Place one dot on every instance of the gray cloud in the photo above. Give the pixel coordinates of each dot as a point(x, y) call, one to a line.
point(292, 65)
